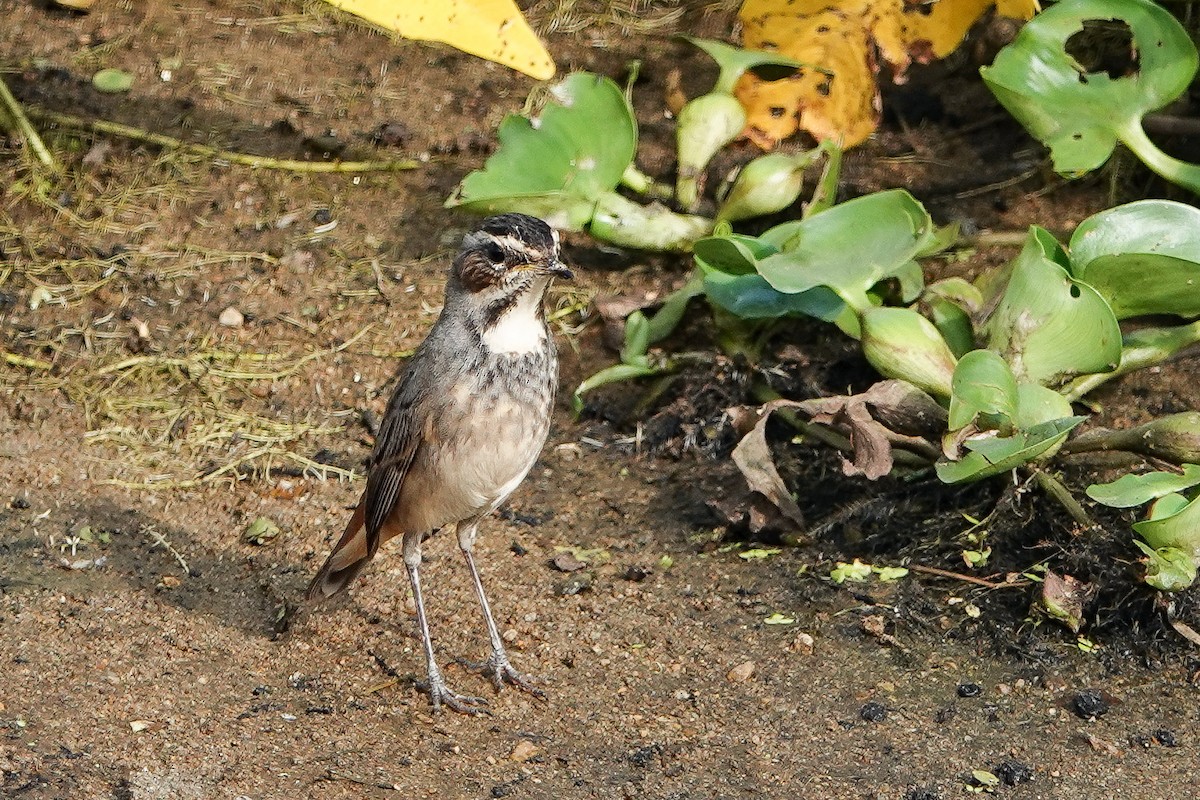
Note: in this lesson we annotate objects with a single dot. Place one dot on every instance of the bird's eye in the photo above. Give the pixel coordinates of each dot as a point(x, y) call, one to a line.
point(494, 253)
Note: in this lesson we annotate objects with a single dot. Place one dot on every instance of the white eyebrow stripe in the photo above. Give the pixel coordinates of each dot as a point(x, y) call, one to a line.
point(517, 246)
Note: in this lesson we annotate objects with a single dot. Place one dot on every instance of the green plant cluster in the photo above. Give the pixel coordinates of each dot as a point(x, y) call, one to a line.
point(567, 163)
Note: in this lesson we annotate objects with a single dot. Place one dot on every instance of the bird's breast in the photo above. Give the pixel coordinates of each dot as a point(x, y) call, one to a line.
point(485, 437)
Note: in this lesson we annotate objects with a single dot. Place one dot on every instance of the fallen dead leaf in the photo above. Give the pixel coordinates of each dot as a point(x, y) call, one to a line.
point(753, 458)
point(843, 38)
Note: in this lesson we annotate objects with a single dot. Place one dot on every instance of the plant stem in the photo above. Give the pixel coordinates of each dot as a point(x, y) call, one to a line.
point(1178, 172)
point(258, 162)
point(637, 181)
point(1054, 487)
point(12, 109)
point(825, 195)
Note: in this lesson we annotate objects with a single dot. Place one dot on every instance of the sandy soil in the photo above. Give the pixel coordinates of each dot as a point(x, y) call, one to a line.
point(149, 651)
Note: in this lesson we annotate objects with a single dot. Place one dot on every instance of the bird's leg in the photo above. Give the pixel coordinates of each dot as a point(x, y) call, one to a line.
point(436, 687)
point(497, 665)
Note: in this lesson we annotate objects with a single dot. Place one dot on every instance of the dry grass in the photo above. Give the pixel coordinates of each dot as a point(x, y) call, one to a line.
point(165, 406)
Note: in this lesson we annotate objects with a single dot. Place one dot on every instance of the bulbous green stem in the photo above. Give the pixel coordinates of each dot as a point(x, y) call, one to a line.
point(654, 227)
point(1178, 172)
point(1142, 349)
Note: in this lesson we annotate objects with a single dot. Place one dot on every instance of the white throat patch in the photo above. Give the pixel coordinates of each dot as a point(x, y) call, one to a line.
point(519, 329)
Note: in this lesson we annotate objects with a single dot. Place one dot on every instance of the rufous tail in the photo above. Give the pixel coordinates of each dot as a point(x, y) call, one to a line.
point(348, 558)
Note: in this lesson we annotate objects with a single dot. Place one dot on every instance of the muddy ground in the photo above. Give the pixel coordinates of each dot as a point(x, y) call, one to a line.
point(148, 650)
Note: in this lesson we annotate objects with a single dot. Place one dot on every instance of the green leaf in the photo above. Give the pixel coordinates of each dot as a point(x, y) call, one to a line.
point(261, 531)
point(560, 165)
point(992, 455)
point(112, 81)
point(849, 248)
point(889, 574)
point(751, 297)
point(1172, 525)
point(1133, 490)
point(855, 573)
point(1079, 115)
point(734, 61)
point(759, 552)
point(670, 314)
point(953, 323)
point(1168, 569)
point(983, 385)
point(614, 374)
point(637, 339)
point(733, 254)
point(1143, 258)
point(1049, 326)
point(1038, 404)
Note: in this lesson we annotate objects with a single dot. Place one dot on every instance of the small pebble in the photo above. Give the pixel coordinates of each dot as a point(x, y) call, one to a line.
point(567, 562)
point(636, 574)
point(873, 712)
point(969, 690)
point(523, 751)
point(1088, 704)
point(803, 644)
point(1012, 772)
point(578, 582)
point(741, 673)
point(231, 318)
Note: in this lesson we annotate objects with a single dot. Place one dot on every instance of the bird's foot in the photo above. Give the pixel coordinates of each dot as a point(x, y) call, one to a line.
point(498, 668)
point(440, 694)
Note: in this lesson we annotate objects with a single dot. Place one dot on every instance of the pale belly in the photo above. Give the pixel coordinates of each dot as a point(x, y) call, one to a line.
point(493, 451)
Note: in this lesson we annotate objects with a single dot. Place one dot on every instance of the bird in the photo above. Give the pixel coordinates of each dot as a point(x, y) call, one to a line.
point(466, 422)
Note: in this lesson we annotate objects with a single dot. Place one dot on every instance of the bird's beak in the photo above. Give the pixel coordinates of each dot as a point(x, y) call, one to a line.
point(560, 270)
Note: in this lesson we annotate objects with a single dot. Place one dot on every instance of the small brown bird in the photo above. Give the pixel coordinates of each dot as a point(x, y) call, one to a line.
point(464, 426)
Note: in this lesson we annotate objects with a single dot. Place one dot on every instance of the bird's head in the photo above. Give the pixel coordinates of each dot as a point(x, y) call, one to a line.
point(506, 257)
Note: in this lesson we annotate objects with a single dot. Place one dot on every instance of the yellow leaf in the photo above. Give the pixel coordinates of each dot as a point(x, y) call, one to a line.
point(843, 37)
point(491, 29)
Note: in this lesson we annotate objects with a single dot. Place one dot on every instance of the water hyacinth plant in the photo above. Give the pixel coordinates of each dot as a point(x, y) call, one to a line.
point(1081, 114)
point(709, 122)
point(565, 166)
point(567, 163)
point(1171, 531)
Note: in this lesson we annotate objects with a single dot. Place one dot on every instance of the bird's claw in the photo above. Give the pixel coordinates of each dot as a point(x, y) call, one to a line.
point(440, 694)
point(498, 668)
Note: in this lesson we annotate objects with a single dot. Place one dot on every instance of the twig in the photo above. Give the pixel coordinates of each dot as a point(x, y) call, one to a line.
point(258, 162)
point(13, 110)
point(335, 774)
point(994, 239)
point(1054, 487)
point(958, 576)
point(24, 361)
point(159, 539)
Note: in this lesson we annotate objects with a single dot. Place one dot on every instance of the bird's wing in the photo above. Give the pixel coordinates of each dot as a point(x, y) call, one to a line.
point(395, 448)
